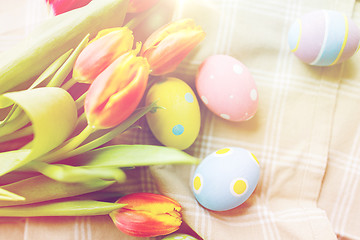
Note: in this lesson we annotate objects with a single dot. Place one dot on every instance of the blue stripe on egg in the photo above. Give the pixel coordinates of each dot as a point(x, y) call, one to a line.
point(294, 35)
point(335, 35)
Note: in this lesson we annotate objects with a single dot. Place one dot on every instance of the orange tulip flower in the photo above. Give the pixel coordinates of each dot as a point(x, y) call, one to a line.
point(136, 6)
point(107, 46)
point(147, 215)
point(169, 45)
point(116, 92)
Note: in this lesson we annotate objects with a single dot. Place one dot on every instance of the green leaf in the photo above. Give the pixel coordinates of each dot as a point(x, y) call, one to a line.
point(133, 155)
point(9, 196)
point(11, 126)
point(108, 134)
point(63, 208)
point(30, 57)
point(41, 188)
point(51, 69)
point(67, 67)
point(53, 115)
point(71, 174)
point(15, 111)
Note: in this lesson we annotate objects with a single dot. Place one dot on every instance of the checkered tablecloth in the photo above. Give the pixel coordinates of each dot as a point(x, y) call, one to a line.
point(305, 134)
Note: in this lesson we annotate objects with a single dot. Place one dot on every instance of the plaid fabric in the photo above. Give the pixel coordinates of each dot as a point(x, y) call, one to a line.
point(306, 133)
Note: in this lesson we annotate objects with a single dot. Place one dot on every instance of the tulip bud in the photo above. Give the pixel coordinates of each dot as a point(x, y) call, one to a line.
point(116, 92)
point(170, 44)
point(147, 215)
point(136, 6)
point(107, 46)
point(61, 6)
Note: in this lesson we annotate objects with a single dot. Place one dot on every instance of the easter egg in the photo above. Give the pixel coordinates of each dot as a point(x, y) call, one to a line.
point(227, 88)
point(179, 236)
point(226, 178)
point(176, 122)
point(324, 38)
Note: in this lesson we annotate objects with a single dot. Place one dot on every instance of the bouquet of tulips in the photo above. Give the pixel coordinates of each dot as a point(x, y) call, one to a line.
point(61, 165)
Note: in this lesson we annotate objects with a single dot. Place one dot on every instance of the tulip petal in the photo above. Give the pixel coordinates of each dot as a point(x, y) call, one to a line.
point(144, 224)
point(168, 54)
point(147, 215)
point(170, 44)
point(107, 46)
point(117, 91)
point(149, 201)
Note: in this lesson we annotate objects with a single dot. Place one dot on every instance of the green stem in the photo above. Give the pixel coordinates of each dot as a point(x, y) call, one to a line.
point(51, 69)
point(66, 68)
point(41, 188)
point(18, 134)
point(80, 101)
point(68, 146)
point(14, 125)
point(81, 119)
point(61, 208)
point(13, 113)
point(75, 174)
point(109, 134)
point(9, 196)
point(71, 82)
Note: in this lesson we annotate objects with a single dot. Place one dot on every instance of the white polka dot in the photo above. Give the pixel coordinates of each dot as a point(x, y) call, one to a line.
point(238, 69)
point(253, 94)
point(204, 99)
point(231, 96)
point(225, 116)
point(248, 118)
point(212, 76)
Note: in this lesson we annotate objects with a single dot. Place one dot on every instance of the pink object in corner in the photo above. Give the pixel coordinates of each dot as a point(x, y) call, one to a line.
point(62, 6)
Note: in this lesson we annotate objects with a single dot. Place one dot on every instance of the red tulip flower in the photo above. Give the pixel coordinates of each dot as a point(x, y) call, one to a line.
point(117, 91)
point(147, 215)
point(108, 45)
point(136, 6)
point(170, 44)
point(62, 6)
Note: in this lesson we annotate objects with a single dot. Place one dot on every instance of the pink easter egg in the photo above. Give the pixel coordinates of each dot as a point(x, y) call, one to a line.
point(227, 88)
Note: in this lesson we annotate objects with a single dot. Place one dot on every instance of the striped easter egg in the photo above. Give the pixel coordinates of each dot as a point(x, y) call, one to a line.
point(324, 38)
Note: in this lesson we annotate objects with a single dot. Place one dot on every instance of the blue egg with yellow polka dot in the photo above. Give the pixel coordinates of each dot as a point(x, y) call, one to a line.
point(176, 123)
point(226, 178)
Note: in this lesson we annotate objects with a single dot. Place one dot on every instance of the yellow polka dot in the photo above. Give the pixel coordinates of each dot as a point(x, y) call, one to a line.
point(255, 158)
point(223, 151)
point(239, 187)
point(197, 183)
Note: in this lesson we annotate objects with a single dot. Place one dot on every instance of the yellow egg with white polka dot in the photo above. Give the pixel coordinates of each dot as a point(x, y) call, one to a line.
point(226, 178)
point(176, 122)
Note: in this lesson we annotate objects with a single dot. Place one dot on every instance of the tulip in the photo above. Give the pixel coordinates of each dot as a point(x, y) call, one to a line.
point(136, 6)
point(107, 46)
point(169, 45)
point(117, 91)
point(62, 6)
point(147, 215)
